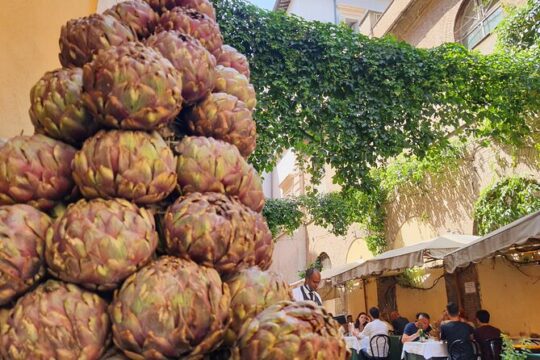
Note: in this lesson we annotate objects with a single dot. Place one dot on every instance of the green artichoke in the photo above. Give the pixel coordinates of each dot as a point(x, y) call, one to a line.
point(169, 309)
point(264, 243)
point(132, 87)
point(136, 15)
point(56, 321)
point(223, 117)
point(99, 243)
point(230, 81)
point(212, 230)
point(252, 291)
point(230, 57)
point(56, 107)
point(202, 6)
point(189, 57)
point(22, 240)
point(114, 354)
point(291, 330)
point(35, 170)
point(209, 165)
point(196, 24)
point(81, 38)
point(133, 165)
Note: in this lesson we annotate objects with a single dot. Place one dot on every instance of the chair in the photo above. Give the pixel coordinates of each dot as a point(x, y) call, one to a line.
point(380, 347)
point(462, 350)
point(494, 348)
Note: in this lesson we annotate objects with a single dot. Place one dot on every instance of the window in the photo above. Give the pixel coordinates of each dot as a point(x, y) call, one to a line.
point(324, 259)
point(476, 20)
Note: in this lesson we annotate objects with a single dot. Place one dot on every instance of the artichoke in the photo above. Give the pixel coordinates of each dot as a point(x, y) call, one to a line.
point(56, 321)
point(196, 24)
point(252, 291)
point(223, 117)
point(57, 108)
point(81, 38)
point(264, 243)
point(230, 81)
point(114, 354)
point(136, 15)
point(99, 243)
point(35, 170)
point(202, 6)
point(169, 309)
point(211, 230)
point(209, 165)
point(22, 240)
point(132, 87)
point(230, 57)
point(133, 165)
point(292, 330)
point(189, 57)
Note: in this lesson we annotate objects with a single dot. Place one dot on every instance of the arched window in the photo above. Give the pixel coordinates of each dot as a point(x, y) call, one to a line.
point(325, 262)
point(476, 20)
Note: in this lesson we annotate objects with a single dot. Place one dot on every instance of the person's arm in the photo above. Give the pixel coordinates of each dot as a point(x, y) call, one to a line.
point(366, 332)
point(409, 333)
point(443, 333)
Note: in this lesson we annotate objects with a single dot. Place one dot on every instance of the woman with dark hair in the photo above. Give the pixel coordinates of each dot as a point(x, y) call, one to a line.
point(361, 321)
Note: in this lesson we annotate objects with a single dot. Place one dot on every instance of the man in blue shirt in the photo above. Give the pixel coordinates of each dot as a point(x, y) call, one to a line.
point(412, 330)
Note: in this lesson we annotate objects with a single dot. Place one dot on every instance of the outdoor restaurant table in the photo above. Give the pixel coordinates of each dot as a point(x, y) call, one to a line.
point(354, 344)
point(431, 349)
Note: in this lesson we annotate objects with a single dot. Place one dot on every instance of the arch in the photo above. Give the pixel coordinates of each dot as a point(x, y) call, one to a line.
point(475, 20)
point(325, 261)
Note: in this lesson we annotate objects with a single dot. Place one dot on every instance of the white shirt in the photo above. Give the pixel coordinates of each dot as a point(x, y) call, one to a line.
point(375, 327)
point(298, 294)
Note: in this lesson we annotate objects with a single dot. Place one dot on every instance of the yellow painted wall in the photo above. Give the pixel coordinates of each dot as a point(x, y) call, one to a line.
point(29, 32)
point(512, 298)
point(355, 297)
point(432, 301)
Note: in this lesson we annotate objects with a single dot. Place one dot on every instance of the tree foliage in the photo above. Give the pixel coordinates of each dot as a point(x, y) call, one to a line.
point(339, 98)
point(521, 29)
point(378, 111)
point(506, 201)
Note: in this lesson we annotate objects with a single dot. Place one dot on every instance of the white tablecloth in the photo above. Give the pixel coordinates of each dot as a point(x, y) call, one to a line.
point(352, 342)
point(428, 349)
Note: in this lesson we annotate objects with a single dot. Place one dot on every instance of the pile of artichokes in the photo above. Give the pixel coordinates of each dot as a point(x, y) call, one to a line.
point(117, 243)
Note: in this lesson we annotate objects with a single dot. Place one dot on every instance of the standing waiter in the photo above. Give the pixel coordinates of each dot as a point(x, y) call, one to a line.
point(308, 291)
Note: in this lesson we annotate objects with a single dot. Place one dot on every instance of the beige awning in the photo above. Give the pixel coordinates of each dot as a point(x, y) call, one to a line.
point(329, 273)
point(405, 257)
point(516, 233)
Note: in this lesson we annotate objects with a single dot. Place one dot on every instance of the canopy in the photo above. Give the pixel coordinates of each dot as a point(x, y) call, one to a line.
point(516, 233)
point(329, 273)
point(405, 257)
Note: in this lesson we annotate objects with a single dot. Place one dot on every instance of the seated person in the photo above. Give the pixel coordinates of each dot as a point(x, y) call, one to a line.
point(412, 330)
point(375, 327)
point(485, 332)
point(385, 318)
point(361, 321)
point(398, 322)
point(455, 330)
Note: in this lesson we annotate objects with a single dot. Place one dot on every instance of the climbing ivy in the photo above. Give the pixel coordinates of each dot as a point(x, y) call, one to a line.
point(339, 98)
point(521, 29)
point(317, 264)
point(378, 111)
point(506, 201)
point(283, 215)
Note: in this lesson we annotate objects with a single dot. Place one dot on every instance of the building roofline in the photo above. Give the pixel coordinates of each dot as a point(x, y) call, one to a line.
point(282, 5)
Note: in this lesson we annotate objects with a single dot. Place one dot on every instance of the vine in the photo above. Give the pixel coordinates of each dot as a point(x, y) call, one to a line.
point(506, 201)
point(317, 264)
point(366, 107)
point(521, 29)
point(341, 99)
